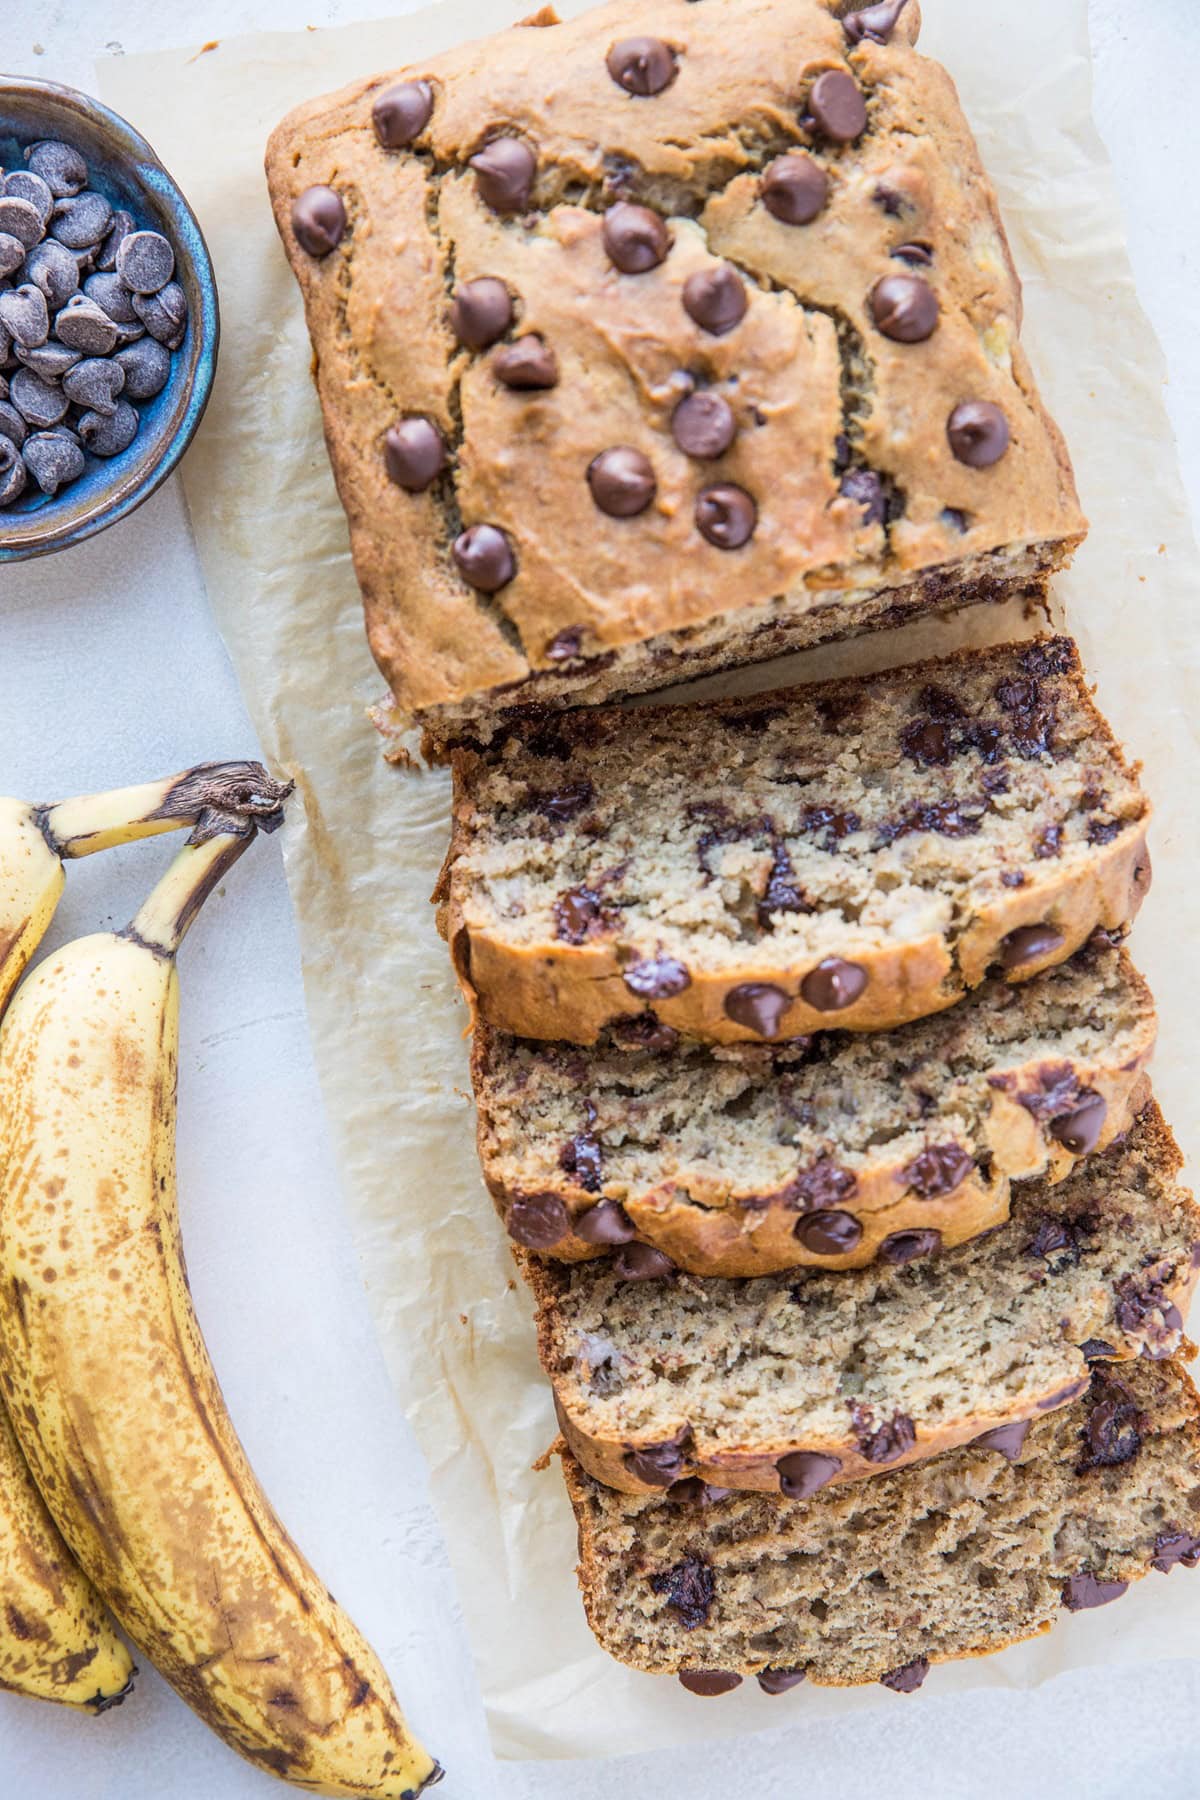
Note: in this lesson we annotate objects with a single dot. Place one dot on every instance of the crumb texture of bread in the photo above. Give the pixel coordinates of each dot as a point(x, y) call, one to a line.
point(849, 855)
point(868, 1369)
point(759, 264)
point(960, 1557)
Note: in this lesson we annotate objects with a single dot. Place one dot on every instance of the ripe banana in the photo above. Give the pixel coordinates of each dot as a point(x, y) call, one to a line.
point(57, 1642)
point(110, 1386)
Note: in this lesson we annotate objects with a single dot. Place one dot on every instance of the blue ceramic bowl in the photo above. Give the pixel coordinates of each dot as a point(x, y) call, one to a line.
point(124, 168)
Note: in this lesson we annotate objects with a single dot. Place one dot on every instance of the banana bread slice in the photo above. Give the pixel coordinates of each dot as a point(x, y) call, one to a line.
point(963, 1556)
point(785, 1383)
point(719, 1157)
point(856, 853)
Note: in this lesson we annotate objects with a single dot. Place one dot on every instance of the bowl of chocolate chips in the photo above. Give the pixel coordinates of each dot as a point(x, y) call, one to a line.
point(108, 319)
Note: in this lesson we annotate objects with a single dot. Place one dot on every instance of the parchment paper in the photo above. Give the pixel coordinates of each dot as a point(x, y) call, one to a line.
point(386, 1019)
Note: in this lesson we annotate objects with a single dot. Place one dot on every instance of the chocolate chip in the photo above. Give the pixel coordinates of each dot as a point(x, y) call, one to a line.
point(691, 1491)
point(1096, 1350)
point(1006, 1440)
point(319, 220)
point(480, 312)
point(758, 1005)
point(778, 1681)
point(1144, 1310)
point(145, 261)
point(20, 220)
point(23, 184)
point(1171, 1547)
point(566, 645)
point(13, 477)
point(635, 238)
point(147, 366)
point(658, 1465)
point(53, 458)
point(803, 1472)
point(108, 434)
point(94, 382)
point(928, 743)
point(484, 557)
point(538, 1221)
point(529, 363)
point(164, 314)
point(1028, 943)
point(119, 227)
point(641, 1262)
point(12, 425)
point(581, 1157)
point(716, 299)
point(1112, 1433)
point(709, 1682)
point(1079, 1131)
point(414, 454)
point(401, 113)
point(885, 1442)
point(908, 1677)
point(606, 1223)
point(12, 254)
point(919, 255)
point(703, 425)
point(111, 296)
point(1051, 1237)
point(978, 433)
point(821, 1185)
point(865, 487)
point(794, 188)
point(656, 978)
point(39, 402)
point(622, 481)
point(1085, 1590)
point(645, 1032)
point(578, 914)
point(504, 174)
point(828, 1233)
point(907, 1246)
point(726, 515)
point(1103, 831)
point(59, 165)
point(836, 107)
point(833, 985)
point(642, 65)
point(690, 1588)
point(904, 308)
point(875, 23)
point(564, 803)
point(937, 1170)
point(25, 315)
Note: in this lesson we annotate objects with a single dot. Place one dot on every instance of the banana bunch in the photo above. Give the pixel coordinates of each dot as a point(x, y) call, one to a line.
point(57, 1641)
point(109, 1384)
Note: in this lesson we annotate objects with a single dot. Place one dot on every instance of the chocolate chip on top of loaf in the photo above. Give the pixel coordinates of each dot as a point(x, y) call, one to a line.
point(704, 325)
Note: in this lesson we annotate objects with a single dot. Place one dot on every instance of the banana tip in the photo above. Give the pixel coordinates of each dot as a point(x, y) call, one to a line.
point(102, 1703)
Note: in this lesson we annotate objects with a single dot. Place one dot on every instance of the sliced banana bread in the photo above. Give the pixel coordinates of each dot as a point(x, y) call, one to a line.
point(856, 853)
point(962, 1556)
point(721, 1157)
point(789, 1382)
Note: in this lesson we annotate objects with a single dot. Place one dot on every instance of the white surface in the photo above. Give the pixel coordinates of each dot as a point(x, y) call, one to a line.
point(109, 671)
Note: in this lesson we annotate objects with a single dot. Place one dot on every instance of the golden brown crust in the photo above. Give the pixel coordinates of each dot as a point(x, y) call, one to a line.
point(807, 358)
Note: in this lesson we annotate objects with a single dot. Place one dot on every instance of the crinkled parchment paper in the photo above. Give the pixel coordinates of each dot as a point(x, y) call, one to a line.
point(386, 1020)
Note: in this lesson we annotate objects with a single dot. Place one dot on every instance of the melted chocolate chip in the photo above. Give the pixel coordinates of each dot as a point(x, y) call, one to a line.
point(622, 482)
point(607, 1223)
point(579, 914)
point(658, 1465)
point(821, 1186)
point(528, 364)
point(778, 1681)
point(656, 978)
point(1096, 1349)
point(644, 1032)
point(781, 893)
point(726, 515)
point(758, 1005)
point(834, 825)
point(1085, 1590)
point(828, 1233)
point(319, 220)
point(1079, 1130)
point(691, 1491)
point(804, 1472)
point(504, 174)
point(566, 646)
point(581, 1156)
point(907, 1246)
point(1102, 831)
point(709, 1682)
point(866, 487)
point(908, 1678)
point(485, 559)
point(928, 743)
point(414, 454)
point(635, 238)
point(1112, 1433)
point(703, 425)
point(716, 299)
point(904, 308)
point(917, 255)
point(565, 804)
point(1048, 656)
point(833, 985)
point(874, 23)
point(886, 1442)
point(642, 65)
point(538, 1221)
point(1048, 841)
point(690, 1589)
point(978, 433)
point(641, 1262)
point(836, 107)
point(401, 113)
point(1144, 1310)
point(1029, 943)
point(480, 312)
point(794, 188)
point(1171, 1547)
point(937, 1170)
point(1006, 1440)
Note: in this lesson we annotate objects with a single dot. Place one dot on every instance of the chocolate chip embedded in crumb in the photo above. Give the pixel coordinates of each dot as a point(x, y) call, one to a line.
point(1085, 1590)
point(937, 1170)
point(821, 1186)
point(715, 299)
point(566, 645)
point(758, 1005)
point(530, 363)
point(1112, 1432)
point(794, 188)
point(908, 1678)
point(918, 256)
point(887, 1442)
point(485, 559)
point(873, 23)
point(642, 65)
point(644, 1032)
point(401, 113)
point(538, 1221)
point(904, 308)
point(318, 220)
point(622, 481)
point(866, 488)
point(804, 1472)
point(833, 985)
point(414, 454)
point(691, 1491)
point(1144, 1310)
point(978, 433)
point(828, 1233)
point(1096, 1350)
point(836, 107)
point(909, 1246)
point(1171, 1547)
point(703, 425)
point(690, 1588)
point(578, 915)
point(656, 978)
point(1079, 1130)
point(1006, 1440)
point(726, 515)
point(709, 1682)
point(1029, 943)
point(480, 312)
point(635, 238)
point(658, 1465)
point(504, 174)
point(606, 1223)
point(778, 1681)
point(564, 804)
point(641, 1262)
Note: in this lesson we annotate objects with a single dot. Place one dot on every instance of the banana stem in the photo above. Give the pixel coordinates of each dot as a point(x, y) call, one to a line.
point(163, 921)
point(230, 790)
